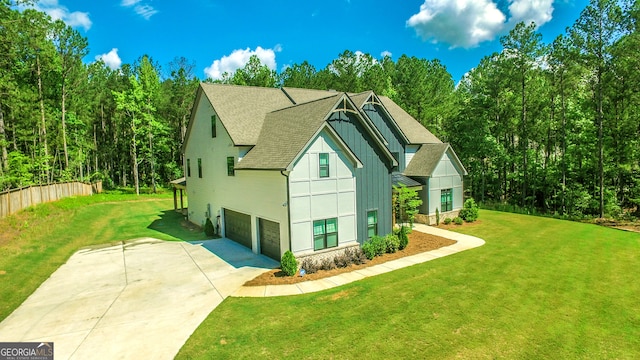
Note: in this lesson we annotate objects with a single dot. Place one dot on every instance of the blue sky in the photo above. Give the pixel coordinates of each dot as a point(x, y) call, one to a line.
point(221, 35)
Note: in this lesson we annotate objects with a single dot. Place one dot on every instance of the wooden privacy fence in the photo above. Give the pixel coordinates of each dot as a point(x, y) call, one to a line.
point(14, 200)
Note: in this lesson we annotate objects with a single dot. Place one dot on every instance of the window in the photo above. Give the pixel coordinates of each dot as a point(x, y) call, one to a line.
point(446, 200)
point(231, 166)
point(199, 168)
point(325, 234)
point(213, 125)
point(324, 165)
point(372, 223)
point(189, 167)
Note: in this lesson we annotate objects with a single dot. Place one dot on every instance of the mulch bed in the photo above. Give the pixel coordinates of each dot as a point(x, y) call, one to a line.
point(418, 243)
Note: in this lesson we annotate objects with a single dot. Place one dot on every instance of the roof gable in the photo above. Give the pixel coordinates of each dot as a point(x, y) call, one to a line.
point(286, 132)
point(428, 157)
point(242, 109)
point(412, 129)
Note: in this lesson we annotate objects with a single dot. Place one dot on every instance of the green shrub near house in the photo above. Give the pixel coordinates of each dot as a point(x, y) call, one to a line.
point(469, 211)
point(288, 263)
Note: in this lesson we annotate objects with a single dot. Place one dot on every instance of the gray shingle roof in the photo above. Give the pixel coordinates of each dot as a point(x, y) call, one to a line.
point(285, 133)
point(360, 98)
point(398, 179)
point(412, 129)
point(426, 159)
point(301, 96)
point(242, 109)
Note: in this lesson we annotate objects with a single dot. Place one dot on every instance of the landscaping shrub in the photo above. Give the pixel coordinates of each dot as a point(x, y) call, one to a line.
point(368, 249)
point(289, 264)
point(437, 217)
point(447, 221)
point(327, 264)
point(343, 260)
point(469, 212)
point(208, 228)
point(358, 257)
point(379, 245)
point(309, 265)
point(458, 220)
point(402, 236)
point(392, 243)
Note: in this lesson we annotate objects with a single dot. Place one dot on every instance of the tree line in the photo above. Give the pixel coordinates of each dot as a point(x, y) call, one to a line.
point(551, 126)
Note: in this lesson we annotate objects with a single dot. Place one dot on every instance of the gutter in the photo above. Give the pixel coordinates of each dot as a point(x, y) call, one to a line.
point(282, 172)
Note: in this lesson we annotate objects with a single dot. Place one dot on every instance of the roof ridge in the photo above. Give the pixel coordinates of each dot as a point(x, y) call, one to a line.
point(294, 105)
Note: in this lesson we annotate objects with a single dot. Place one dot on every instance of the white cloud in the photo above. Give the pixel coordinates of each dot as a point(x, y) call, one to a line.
point(60, 12)
point(466, 23)
point(239, 58)
point(143, 9)
point(538, 11)
point(460, 23)
point(127, 3)
point(111, 59)
point(385, 54)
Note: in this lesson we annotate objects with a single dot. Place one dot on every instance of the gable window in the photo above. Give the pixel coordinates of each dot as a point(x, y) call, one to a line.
point(199, 168)
point(231, 166)
point(324, 165)
point(325, 233)
point(214, 119)
point(372, 223)
point(446, 200)
point(189, 167)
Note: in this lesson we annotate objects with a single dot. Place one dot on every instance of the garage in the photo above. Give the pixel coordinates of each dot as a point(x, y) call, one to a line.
point(237, 227)
point(269, 238)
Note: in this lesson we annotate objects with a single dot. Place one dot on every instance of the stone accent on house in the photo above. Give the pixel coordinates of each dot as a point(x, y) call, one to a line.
point(431, 219)
point(330, 253)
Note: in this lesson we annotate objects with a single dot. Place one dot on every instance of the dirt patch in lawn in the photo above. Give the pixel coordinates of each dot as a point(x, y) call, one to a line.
point(418, 243)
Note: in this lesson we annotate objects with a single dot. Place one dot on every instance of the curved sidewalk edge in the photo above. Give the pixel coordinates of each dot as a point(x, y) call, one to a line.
point(463, 242)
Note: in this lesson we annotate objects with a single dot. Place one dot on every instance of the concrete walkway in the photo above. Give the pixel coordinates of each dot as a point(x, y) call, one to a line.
point(464, 242)
point(138, 300)
point(144, 298)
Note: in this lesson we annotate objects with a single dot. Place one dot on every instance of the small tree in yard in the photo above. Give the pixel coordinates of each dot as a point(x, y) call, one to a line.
point(406, 203)
point(469, 211)
point(288, 263)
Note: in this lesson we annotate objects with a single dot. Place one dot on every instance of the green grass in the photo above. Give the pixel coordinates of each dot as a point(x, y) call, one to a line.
point(539, 288)
point(35, 242)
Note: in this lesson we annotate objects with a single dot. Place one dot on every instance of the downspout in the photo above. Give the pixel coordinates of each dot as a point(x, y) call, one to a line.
point(282, 172)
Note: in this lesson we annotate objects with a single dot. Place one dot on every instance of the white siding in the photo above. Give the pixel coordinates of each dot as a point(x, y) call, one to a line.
point(313, 198)
point(261, 194)
point(409, 151)
point(445, 176)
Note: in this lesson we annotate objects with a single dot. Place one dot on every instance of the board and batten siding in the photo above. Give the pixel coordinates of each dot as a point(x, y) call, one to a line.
point(388, 131)
point(447, 175)
point(373, 180)
point(260, 194)
point(314, 198)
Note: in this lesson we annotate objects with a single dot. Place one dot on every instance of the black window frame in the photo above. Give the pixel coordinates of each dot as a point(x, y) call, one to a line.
point(214, 121)
point(188, 167)
point(322, 166)
point(446, 200)
point(231, 166)
point(373, 226)
point(325, 235)
point(200, 168)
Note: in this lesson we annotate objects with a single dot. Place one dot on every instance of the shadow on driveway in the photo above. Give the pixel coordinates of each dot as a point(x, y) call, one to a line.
point(235, 254)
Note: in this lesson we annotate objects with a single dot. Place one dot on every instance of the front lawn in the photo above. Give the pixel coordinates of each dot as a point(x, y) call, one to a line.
point(35, 242)
point(539, 288)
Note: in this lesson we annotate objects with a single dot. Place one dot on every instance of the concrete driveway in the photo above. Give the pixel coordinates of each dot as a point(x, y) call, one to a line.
point(139, 299)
